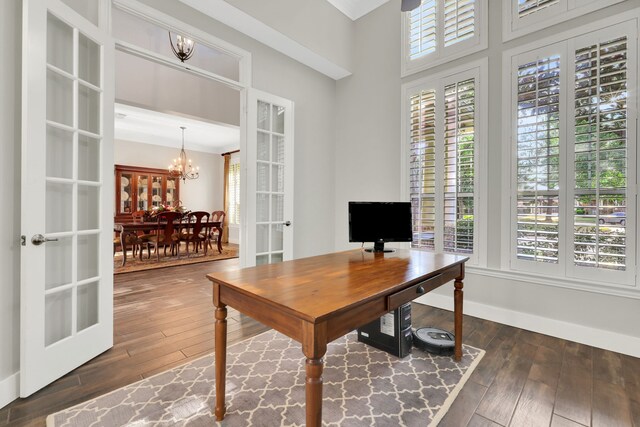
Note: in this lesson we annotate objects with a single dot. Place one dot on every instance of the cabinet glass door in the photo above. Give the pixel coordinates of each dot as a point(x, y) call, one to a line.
point(143, 195)
point(156, 191)
point(171, 198)
point(126, 193)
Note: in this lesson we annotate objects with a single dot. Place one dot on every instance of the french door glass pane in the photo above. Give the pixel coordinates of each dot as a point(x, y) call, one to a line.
point(88, 207)
point(58, 202)
point(263, 146)
point(263, 116)
point(59, 98)
point(88, 158)
point(59, 44)
point(87, 305)
point(88, 109)
point(88, 260)
point(57, 316)
point(88, 60)
point(58, 263)
point(59, 153)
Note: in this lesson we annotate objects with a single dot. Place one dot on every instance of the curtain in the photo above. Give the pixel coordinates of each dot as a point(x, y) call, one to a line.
point(225, 225)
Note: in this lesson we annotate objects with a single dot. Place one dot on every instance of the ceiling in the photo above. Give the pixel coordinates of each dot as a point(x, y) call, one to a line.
point(151, 127)
point(354, 9)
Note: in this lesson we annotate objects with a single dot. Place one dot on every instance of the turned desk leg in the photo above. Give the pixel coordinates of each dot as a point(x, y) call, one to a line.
point(314, 346)
point(457, 308)
point(221, 358)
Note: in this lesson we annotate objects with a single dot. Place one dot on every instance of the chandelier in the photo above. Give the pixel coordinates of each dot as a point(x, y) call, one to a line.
point(183, 47)
point(181, 167)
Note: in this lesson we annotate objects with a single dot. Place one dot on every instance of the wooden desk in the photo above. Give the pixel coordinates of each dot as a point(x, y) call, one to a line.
point(319, 299)
point(127, 228)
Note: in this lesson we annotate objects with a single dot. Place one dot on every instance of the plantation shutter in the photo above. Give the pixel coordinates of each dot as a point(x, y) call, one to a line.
point(422, 29)
point(537, 160)
point(527, 7)
point(422, 167)
point(459, 138)
point(459, 21)
point(601, 155)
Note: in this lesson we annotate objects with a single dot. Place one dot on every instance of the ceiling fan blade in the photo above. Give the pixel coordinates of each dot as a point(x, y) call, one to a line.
point(409, 5)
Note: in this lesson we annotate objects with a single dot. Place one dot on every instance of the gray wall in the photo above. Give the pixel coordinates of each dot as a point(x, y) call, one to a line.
point(315, 24)
point(10, 88)
point(368, 167)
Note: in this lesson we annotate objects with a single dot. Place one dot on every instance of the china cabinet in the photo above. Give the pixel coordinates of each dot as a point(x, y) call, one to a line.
point(140, 188)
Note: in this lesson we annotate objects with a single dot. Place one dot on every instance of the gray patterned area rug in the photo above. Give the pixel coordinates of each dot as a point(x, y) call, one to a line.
point(363, 386)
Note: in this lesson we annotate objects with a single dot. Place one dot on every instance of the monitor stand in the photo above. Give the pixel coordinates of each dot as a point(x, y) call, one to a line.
point(379, 247)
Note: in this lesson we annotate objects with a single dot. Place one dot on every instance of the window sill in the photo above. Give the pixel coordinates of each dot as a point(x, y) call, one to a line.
point(558, 282)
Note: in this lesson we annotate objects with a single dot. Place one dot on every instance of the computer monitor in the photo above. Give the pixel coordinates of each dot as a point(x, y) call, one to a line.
point(380, 222)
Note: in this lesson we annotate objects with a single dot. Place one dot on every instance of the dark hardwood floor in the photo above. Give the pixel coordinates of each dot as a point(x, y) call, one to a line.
point(164, 318)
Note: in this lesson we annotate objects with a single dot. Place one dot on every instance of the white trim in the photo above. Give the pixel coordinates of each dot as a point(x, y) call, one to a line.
point(158, 18)
point(557, 328)
point(238, 20)
point(442, 55)
point(354, 9)
point(479, 70)
point(558, 282)
point(9, 389)
point(513, 27)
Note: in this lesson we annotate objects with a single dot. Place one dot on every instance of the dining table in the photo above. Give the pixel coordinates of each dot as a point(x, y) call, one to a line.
point(125, 229)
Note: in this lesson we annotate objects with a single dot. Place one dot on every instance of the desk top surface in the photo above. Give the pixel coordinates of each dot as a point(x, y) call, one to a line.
point(315, 287)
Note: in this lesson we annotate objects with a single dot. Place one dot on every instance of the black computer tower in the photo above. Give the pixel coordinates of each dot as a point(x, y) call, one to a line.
point(391, 332)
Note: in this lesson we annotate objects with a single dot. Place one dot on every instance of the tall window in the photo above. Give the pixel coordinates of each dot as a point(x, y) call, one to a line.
point(443, 158)
point(574, 150)
point(234, 193)
point(522, 17)
point(442, 30)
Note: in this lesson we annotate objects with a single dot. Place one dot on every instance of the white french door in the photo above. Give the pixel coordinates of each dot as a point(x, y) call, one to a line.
point(266, 180)
point(66, 303)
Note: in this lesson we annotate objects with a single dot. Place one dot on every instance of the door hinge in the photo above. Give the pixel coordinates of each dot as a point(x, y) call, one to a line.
point(23, 240)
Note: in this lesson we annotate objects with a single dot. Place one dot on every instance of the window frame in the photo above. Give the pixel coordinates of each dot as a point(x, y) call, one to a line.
point(566, 274)
point(513, 26)
point(444, 54)
point(479, 71)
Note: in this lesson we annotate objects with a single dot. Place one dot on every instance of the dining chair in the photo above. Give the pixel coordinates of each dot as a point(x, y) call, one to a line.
point(197, 231)
point(167, 233)
point(138, 218)
point(214, 233)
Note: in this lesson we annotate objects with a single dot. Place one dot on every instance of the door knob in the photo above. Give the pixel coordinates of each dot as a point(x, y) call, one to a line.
point(39, 239)
point(287, 223)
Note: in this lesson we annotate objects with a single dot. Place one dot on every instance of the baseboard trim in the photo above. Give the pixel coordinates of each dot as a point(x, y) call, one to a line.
point(9, 389)
point(569, 331)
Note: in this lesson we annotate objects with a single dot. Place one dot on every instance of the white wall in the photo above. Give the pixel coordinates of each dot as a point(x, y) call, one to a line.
point(368, 167)
point(10, 86)
point(202, 194)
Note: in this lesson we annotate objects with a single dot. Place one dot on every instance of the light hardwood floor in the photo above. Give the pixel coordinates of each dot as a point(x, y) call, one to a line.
point(164, 318)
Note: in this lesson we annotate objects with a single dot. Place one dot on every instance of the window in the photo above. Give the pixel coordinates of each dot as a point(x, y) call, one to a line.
point(234, 193)
point(526, 16)
point(573, 146)
point(443, 140)
point(442, 30)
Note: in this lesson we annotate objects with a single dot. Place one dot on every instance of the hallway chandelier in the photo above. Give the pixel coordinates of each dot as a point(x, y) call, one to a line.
point(182, 47)
point(182, 167)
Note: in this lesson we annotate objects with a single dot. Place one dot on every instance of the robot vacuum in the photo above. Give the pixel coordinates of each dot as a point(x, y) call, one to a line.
point(434, 340)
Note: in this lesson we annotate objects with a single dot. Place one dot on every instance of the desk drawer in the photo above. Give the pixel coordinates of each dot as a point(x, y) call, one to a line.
point(409, 294)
